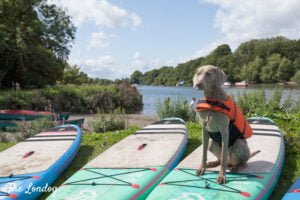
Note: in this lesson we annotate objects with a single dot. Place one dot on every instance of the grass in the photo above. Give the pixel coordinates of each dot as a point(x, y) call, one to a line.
point(4, 145)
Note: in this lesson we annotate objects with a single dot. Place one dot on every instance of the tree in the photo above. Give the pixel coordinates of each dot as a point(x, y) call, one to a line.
point(296, 77)
point(269, 71)
point(35, 38)
point(252, 71)
point(136, 77)
point(73, 75)
point(285, 70)
point(264, 60)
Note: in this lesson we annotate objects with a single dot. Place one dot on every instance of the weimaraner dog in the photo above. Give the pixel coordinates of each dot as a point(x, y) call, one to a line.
point(210, 79)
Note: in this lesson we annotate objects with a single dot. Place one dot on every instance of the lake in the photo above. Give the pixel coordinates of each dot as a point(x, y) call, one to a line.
point(152, 94)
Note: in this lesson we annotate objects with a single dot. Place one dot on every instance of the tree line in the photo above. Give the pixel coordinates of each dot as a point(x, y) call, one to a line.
point(257, 61)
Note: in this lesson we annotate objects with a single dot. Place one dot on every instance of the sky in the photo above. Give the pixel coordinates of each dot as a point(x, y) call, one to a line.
point(116, 37)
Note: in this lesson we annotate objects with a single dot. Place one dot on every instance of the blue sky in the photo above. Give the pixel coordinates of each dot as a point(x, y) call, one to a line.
point(116, 37)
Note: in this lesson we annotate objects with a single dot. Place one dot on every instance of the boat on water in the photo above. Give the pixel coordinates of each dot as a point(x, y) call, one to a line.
point(241, 84)
point(227, 84)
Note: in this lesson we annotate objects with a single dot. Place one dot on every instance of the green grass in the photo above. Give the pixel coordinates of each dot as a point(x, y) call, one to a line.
point(4, 145)
point(94, 144)
point(195, 137)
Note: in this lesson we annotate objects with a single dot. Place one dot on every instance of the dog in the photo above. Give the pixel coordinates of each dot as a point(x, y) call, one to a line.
point(210, 79)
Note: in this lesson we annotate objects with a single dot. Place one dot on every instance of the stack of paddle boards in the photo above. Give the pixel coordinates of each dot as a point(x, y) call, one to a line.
point(256, 181)
point(28, 168)
point(131, 168)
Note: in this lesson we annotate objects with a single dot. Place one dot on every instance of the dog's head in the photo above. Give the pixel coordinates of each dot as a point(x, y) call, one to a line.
point(208, 77)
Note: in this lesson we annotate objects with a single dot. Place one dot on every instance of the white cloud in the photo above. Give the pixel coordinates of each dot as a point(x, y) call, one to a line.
point(139, 62)
point(100, 40)
point(102, 67)
point(100, 12)
point(240, 21)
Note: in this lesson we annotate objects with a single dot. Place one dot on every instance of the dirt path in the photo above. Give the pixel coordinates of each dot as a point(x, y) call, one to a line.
point(133, 119)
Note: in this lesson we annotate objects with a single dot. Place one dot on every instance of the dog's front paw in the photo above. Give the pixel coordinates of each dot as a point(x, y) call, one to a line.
point(200, 171)
point(221, 179)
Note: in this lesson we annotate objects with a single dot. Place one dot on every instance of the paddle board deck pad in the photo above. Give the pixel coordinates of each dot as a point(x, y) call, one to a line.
point(294, 191)
point(256, 181)
point(131, 168)
point(31, 166)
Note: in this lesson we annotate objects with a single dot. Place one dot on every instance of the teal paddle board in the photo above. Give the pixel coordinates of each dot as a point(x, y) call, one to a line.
point(256, 181)
point(131, 168)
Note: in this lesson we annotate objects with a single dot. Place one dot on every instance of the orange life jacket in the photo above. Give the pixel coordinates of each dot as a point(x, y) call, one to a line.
point(230, 109)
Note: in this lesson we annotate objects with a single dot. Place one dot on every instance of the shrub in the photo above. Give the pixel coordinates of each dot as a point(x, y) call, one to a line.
point(177, 107)
point(129, 98)
point(75, 99)
point(107, 122)
point(256, 104)
point(26, 129)
point(285, 114)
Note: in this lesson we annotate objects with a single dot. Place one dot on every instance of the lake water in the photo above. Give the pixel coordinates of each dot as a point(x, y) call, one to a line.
point(152, 94)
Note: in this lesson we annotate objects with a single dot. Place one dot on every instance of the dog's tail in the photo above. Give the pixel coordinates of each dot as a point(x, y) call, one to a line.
point(254, 153)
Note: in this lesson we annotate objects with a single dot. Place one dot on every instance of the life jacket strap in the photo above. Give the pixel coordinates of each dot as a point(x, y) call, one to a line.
point(215, 103)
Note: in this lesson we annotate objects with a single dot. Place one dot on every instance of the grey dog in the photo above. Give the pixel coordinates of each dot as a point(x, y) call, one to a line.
point(210, 79)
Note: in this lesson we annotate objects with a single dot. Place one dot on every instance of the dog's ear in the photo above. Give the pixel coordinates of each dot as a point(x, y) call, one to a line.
point(221, 77)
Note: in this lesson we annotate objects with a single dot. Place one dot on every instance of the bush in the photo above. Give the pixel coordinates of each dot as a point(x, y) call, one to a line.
point(107, 122)
point(286, 114)
point(256, 104)
point(296, 77)
point(26, 129)
point(129, 98)
point(177, 107)
point(75, 99)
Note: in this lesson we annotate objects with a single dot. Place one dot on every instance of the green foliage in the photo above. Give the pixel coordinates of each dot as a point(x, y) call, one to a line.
point(256, 104)
point(109, 122)
point(252, 71)
point(296, 77)
point(265, 60)
point(79, 99)
point(269, 71)
point(35, 41)
point(73, 75)
point(25, 129)
point(136, 77)
point(177, 107)
point(129, 98)
point(194, 137)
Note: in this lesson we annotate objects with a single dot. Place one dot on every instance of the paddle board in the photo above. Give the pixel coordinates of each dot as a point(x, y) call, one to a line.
point(294, 192)
point(131, 168)
point(28, 168)
point(256, 181)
